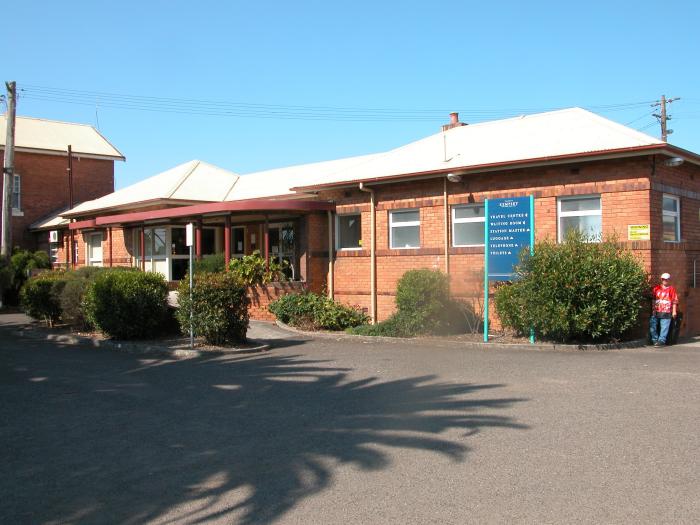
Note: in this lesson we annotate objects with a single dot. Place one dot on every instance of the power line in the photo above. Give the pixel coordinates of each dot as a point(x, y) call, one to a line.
point(275, 111)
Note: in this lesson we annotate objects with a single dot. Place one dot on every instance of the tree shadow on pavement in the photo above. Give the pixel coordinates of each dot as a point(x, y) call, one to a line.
point(238, 439)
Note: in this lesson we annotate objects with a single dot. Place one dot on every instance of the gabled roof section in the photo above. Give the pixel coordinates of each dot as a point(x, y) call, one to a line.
point(277, 182)
point(568, 132)
point(191, 182)
point(40, 135)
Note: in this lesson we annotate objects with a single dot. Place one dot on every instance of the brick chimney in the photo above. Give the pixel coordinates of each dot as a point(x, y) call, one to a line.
point(454, 122)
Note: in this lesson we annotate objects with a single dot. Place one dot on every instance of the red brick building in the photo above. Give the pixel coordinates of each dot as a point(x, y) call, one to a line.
point(40, 183)
point(353, 226)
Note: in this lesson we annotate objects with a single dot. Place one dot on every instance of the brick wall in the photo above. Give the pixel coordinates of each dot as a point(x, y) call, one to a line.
point(627, 198)
point(262, 296)
point(44, 188)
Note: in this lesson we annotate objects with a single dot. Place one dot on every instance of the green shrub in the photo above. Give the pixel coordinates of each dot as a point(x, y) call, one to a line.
point(219, 307)
point(577, 290)
point(316, 312)
point(22, 264)
point(5, 279)
point(39, 296)
point(210, 264)
point(423, 307)
point(252, 270)
point(126, 304)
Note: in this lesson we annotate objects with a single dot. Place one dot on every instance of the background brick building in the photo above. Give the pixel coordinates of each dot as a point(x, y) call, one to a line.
point(40, 185)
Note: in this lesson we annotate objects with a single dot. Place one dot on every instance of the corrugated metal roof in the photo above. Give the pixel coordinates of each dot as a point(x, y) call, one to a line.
point(193, 181)
point(49, 222)
point(568, 132)
point(51, 135)
point(277, 182)
point(560, 133)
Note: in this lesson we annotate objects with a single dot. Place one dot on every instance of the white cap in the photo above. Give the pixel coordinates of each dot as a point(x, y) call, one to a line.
point(665, 275)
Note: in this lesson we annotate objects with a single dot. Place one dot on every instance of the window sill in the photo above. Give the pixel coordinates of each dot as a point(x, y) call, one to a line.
point(17, 213)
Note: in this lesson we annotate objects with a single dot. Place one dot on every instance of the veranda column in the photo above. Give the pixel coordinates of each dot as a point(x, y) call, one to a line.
point(266, 240)
point(109, 234)
point(227, 241)
point(198, 240)
point(143, 248)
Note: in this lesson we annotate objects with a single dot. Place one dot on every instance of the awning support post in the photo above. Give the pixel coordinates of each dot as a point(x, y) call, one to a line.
point(227, 241)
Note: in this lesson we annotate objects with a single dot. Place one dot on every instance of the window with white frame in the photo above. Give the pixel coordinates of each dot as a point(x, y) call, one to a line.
point(94, 249)
point(16, 192)
point(468, 225)
point(582, 214)
point(348, 232)
point(53, 252)
point(404, 229)
point(672, 218)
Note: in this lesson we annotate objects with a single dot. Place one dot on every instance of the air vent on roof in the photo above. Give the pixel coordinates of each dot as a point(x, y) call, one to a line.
point(454, 122)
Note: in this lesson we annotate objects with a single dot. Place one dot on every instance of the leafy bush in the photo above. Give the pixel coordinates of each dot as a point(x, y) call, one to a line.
point(73, 294)
point(316, 312)
point(39, 296)
point(210, 264)
point(252, 271)
point(5, 279)
point(219, 307)
point(126, 304)
point(423, 306)
point(576, 290)
point(22, 264)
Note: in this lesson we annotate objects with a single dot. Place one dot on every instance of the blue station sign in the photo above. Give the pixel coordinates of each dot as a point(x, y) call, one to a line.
point(508, 230)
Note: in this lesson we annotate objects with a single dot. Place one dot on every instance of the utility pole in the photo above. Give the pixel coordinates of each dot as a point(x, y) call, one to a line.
point(70, 202)
point(8, 171)
point(663, 117)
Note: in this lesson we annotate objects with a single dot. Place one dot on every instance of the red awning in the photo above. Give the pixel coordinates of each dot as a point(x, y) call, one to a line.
point(211, 208)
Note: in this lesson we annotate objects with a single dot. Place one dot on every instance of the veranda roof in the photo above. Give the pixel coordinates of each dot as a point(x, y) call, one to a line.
point(189, 183)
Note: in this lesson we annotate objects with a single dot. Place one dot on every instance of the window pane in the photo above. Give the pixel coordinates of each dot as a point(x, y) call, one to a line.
point(406, 237)
point(405, 216)
point(670, 204)
point(670, 228)
point(287, 239)
point(468, 233)
point(584, 204)
point(208, 241)
point(179, 238)
point(159, 241)
point(238, 239)
point(148, 235)
point(179, 269)
point(349, 231)
point(589, 225)
point(469, 212)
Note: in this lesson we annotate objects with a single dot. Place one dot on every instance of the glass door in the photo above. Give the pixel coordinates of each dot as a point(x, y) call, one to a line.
point(283, 247)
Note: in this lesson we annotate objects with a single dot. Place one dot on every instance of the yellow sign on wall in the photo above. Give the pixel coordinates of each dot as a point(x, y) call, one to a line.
point(638, 232)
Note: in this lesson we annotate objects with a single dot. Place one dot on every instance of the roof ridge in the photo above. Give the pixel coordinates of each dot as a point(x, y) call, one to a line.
point(184, 177)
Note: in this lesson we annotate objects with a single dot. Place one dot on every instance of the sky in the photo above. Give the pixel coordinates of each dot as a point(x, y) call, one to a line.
point(250, 86)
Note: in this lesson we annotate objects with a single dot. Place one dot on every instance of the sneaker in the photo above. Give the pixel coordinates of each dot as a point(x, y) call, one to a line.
point(656, 343)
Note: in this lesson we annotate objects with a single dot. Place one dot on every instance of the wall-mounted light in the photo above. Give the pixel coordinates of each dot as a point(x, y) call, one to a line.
point(674, 161)
point(454, 177)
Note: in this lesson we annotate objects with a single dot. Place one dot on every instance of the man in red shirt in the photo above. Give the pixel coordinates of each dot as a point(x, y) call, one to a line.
point(664, 308)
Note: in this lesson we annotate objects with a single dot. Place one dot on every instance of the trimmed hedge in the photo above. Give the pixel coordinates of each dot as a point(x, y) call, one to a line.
point(126, 304)
point(316, 312)
point(39, 297)
point(575, 291)
point(219, 307)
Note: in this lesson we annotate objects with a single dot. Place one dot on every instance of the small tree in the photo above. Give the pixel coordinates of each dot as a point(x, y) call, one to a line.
point(576, 290)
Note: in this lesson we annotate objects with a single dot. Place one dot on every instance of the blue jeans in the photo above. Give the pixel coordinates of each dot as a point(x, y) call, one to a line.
point(661, 326)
